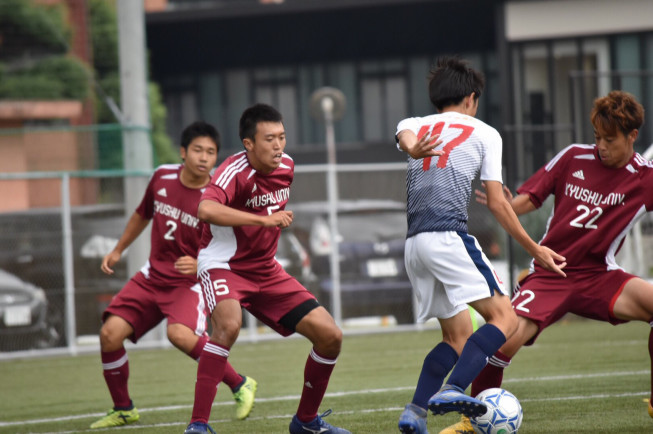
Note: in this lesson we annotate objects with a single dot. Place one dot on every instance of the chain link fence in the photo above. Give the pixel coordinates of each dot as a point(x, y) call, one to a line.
point(56, 250)
point(52, 292)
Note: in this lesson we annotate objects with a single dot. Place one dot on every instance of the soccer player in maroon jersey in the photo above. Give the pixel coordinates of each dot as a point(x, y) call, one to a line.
point(600, 191)
point(166, 287)
point(245, 208)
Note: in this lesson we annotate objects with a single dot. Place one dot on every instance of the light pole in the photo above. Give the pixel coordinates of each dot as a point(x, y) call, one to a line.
point(328, 105)
point(135, 119)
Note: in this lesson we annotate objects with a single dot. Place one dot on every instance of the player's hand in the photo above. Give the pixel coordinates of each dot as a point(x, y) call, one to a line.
point(481, 196)
point(279, 219)
point(109, 261)
point(186, 265)
point(547, 258)
point(425, 147)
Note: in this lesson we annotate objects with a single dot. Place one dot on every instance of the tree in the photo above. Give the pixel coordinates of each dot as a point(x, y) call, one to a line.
point(104, 37)
point(34, 57)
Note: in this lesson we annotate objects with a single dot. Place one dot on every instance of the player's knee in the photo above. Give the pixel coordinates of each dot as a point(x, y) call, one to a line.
point(226, 331)
point(330, 341)
point(110, 339)
point(507, 322)
point(512, 323)
point(181, 336)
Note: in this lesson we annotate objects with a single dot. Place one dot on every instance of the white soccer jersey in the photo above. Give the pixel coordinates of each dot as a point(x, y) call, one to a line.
point(439, 188)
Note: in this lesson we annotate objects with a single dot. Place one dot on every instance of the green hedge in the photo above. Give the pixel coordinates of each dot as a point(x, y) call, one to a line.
point(54, 78)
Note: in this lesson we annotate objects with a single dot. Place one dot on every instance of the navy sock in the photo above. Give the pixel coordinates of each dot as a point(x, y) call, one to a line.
point(437, 365)
point(479, 348)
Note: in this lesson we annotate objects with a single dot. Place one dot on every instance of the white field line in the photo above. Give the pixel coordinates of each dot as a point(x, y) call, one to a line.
point(341, 394)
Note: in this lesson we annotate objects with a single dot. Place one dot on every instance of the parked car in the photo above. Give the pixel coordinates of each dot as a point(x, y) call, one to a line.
point(31, 248)
point(23, 319)
point(371, 237)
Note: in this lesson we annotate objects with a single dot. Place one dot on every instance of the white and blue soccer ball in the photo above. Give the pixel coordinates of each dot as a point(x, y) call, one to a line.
point(504, 413)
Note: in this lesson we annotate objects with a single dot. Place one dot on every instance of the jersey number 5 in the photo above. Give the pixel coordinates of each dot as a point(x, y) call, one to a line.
point(465, 132)
point(220, 287)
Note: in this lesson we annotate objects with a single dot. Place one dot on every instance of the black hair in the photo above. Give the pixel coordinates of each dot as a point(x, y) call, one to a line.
point(199, 129)
point(255, 114)
point(451, 80)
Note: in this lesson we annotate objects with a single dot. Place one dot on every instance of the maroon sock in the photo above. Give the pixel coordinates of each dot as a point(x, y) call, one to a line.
point(196, 352)
point(492, 374)
point(231, 378)
point(115, 366)
point(316, 378)
point(210, 371)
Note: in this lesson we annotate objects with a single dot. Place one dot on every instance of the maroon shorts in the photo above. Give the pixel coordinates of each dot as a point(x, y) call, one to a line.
point(144, 305)
point(545, 297)
point(270, 297)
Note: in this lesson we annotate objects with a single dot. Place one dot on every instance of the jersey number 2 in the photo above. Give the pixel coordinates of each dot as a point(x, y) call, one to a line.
point(465, 132)
point(172, 228)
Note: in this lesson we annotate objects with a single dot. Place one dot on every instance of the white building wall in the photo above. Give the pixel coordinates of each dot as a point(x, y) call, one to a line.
point(564, 18)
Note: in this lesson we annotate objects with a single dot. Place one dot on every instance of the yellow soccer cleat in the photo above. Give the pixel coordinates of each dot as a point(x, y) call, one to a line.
point(245, 398)
point(462, 427)
point(116, 418)
point(650, 408)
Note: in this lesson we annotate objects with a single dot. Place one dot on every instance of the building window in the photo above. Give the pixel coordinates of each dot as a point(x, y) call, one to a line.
point(383, 98)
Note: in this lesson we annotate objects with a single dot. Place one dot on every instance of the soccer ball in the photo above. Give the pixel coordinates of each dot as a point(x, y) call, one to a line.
point(504, 413)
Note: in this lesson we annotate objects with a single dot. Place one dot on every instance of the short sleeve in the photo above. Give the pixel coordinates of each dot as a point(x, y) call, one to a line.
point(491, 169)
point(216, 194)
point(146, 208)
point(411, 124)
point(543, 182)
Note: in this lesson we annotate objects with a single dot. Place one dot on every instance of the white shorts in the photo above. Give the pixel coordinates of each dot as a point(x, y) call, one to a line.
point(447, 271)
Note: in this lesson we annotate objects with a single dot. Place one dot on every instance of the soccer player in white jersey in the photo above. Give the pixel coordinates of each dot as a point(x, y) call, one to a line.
point(245, 208)
point(445, 264)
point(166, 287)
point(600, 191)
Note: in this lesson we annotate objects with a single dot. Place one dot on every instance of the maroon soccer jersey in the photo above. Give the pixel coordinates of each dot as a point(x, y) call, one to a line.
point(595, 206)
point(176, 230)
point(238, 185)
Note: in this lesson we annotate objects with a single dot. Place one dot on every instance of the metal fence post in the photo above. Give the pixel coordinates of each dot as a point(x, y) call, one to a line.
point(68, 275)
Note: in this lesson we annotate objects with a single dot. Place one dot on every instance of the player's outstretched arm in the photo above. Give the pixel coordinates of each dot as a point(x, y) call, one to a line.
point(505, 215)
point(421, 147)
point(222, 215)
point(521, 204)
point(135, 226)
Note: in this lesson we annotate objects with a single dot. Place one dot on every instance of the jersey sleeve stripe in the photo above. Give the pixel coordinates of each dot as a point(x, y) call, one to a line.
point(557, 158)
point(233, 172)
point(229, 170)
point(640, 160)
